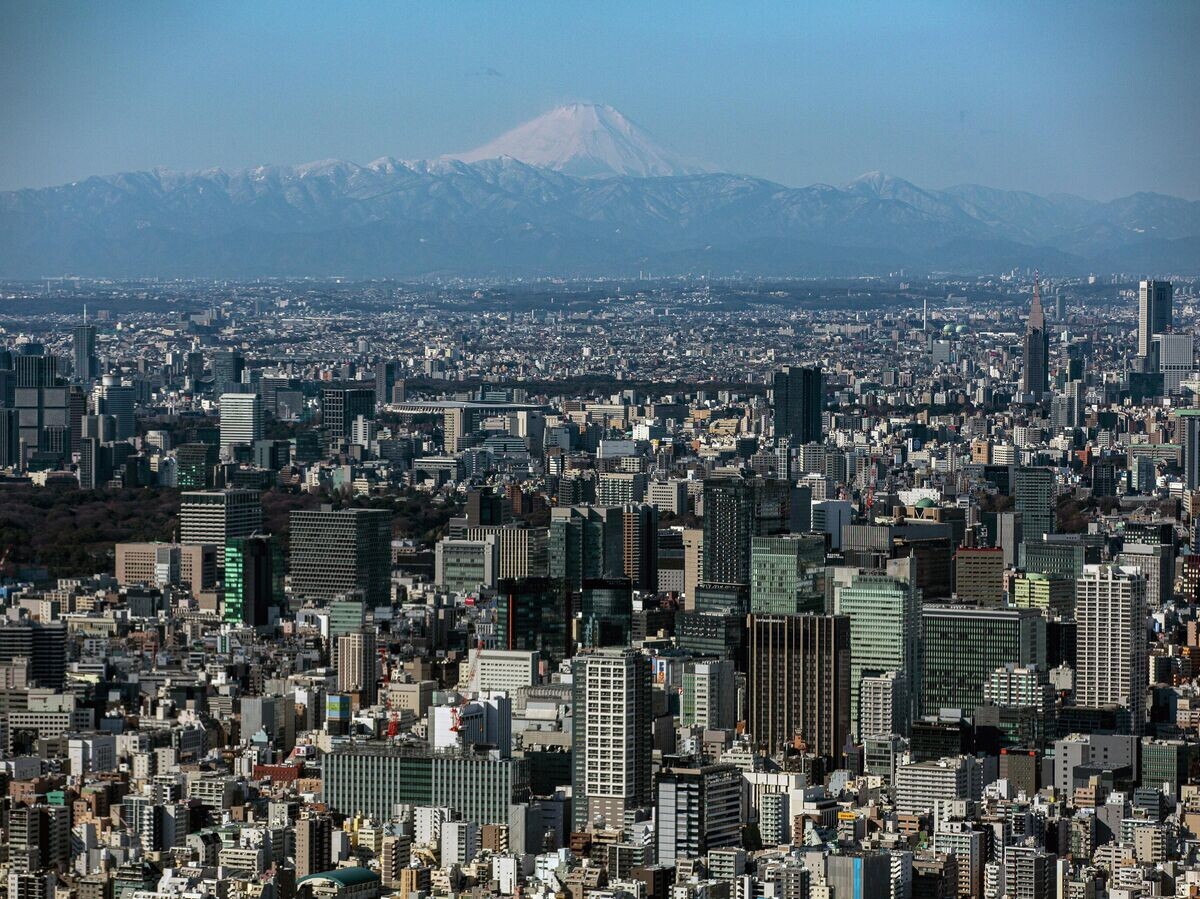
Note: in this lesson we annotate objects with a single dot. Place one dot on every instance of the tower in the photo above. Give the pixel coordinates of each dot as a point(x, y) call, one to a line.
point(1155, 299)
point(1035, 378)
point(1110, 606)
point(611, 774)
point(799, 394)
point(800, 681)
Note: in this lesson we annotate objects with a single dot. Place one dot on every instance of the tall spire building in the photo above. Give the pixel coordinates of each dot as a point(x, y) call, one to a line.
point(1035, 379)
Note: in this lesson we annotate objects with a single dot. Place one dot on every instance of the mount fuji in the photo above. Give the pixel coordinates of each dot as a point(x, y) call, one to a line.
point(580, 190)
point(588, 140)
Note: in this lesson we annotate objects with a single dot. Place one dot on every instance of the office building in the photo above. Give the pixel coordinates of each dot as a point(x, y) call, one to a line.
point(698, 809)
point(193, 565)
point(1111, 609)
point(83, 351)
point(921, 786)
point(1187, 427)
point(1035, 373)
point(241, 421)
point(979, 576)
point(464, 566)
point(952, 678)
point(357, 666)
point(1155, 313)
point(606, 613)
point(1053, 592)
point(523, 550)
point(885, 635)
point(1175, 357)
point(1035, 499)
point(228, 367)
point(611, 737)
point(800, 682)
point(640, 536)
point(736, 510)
point(340, 406)
point(883, 705)
point(218, 516)
point(533, 614)
point(798, 396)
point(586, 542)
point(253, 580)
point(787, 574)
point(709, 696)
point(336, 552)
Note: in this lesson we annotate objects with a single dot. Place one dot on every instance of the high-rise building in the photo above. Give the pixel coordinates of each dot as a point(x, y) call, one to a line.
point(952, 678)
point(709, 697)
point(800, 682)
point(1187, 425)
point(252, 580)
point(218, 516)
point(698, 809)
point(1035, 375)
point(612, 737)
point(314, 835)
point(194, 464)
point(586, 542)
point(885, 635)
point(737, 509)
point(1155, 313)
point(1034, 497)
point(979, 575)
point(227, 369)
point(358, 666)
point(110, 397)
point(640, 532)
point(340, 406)
point(533, 614)
point(1029, 872)
point(798, 395)
point(1111, 655)
point(83, 349)
point(787, 574)
point(606, 608)
point(241, 421)
point(336, 552)
point(1174, 357)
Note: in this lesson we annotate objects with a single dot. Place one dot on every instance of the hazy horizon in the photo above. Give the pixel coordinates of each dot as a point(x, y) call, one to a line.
point(1090, 99)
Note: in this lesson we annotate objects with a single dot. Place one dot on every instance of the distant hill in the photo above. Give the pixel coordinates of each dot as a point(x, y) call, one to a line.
point(595, 195)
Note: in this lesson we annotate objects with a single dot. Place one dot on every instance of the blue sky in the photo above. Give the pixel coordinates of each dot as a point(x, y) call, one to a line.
point(1098, 99)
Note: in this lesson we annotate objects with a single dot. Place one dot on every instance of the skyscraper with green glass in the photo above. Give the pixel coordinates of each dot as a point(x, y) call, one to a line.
point(885, 634)
point(787, 574)
point(253, 580)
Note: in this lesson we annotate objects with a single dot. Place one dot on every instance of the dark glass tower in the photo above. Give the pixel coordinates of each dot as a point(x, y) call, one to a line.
point(799, 394)
point(1035, 378)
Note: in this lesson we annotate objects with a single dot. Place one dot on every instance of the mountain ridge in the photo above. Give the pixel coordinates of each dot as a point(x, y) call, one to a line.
point(501, 217)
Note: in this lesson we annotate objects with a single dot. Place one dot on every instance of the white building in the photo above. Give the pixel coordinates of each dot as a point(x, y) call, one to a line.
point(241, 421)
point(1110, 607)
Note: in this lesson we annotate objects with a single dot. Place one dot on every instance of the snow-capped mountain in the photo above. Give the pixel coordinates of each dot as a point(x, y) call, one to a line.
point(588, 140)
point(578, 191)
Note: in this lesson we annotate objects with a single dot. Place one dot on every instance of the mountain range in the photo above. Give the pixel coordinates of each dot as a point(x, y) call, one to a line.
point(578, 191)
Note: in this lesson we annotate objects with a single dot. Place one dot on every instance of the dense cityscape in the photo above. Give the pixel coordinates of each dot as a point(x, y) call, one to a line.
point(600, 589)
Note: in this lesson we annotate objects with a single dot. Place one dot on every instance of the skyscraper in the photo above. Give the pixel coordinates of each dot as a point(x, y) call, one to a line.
point(1034, 498)
point(1155, 300)
point(241, 420)
point(1187, 431)
point(83, 348)
point(737, 509)
point(1110, 606)
point(787, 574)
point(218, 516)
point(885, 635)
point(798, 396)
point(333, 553)
point(800, 682)
point(357, 666)
point(251, 575)
point(586, 542)
point(612, 737)
point(962, 646)
point(340, 406)
point(1035, 377)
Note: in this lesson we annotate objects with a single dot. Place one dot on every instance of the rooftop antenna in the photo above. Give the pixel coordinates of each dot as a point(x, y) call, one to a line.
point(85, 313)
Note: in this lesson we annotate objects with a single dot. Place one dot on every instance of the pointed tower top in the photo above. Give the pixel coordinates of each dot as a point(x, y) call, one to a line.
point(1037, 317)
